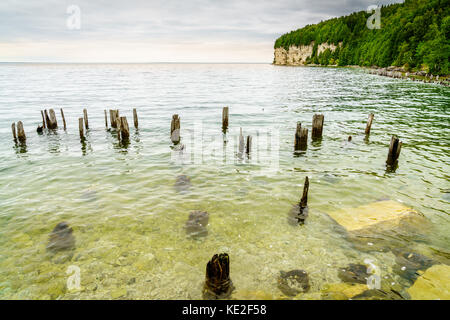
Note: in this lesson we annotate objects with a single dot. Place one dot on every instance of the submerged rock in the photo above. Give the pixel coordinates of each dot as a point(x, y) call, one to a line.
point(196, 224)
point(433, 284)
point(409, 263)
point(375, 294)
point(61, 238)
point(354, 273)
point(342, 291)
point(293, 282)
point(182, 183)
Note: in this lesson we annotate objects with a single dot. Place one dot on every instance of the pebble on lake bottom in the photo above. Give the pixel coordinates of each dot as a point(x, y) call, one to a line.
point(293, 282)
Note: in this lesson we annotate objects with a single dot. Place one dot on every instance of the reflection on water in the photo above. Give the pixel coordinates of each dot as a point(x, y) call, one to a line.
point(128, 203)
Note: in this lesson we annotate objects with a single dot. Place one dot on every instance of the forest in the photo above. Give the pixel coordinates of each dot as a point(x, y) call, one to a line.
point(413, 35)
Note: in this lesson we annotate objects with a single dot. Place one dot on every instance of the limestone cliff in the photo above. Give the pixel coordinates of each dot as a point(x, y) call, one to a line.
point(296, 56)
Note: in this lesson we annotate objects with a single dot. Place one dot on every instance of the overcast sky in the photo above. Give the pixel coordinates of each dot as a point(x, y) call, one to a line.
point(157, 31)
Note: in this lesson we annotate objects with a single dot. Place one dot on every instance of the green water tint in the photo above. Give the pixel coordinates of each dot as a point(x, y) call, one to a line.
point(129, 217)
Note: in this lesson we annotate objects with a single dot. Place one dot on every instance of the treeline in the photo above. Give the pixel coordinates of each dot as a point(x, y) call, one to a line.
point(414, 35)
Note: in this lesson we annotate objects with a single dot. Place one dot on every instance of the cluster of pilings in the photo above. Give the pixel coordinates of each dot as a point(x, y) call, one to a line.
point(400, 73)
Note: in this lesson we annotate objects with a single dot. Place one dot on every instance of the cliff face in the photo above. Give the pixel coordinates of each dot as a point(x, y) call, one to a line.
point(297, 55)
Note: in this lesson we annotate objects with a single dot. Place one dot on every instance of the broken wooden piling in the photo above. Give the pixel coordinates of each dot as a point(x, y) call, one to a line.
point(63, 118)
point(21, 132)
point(86, 121)
point(81, 128)
point(43, 120)
point(218, 284)
point(135, 118)
point(13, 129)
point(225, 115)
point(301, 138)
point(299, 211)
point(369, 123)
point(248, 147)
point(114, 117)
point(394, 151)
point(241, 142)
point(317, 126)
point(106, 119)
point(175, 129)
point(124, 129)
point(51, 120)
point(46, 118)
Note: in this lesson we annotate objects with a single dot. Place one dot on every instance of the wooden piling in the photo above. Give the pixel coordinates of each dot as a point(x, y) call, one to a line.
point(63, 118)
point(135, 118)
point(43, 120)
point(369, 123)
point(175, 129)
point(20, 132)
point(248, 147)
point(13, 129)
point(218, 284)
point(225, 115)
point(114, 117)
point(304, 199)
point(317, 126)
point(106, 119)
point(81, 128)
point(394, 151)
point(86, 121)
point(124, 129)
point(46, 118)
point(241, 142)
point(51, 120)
point(301, 138)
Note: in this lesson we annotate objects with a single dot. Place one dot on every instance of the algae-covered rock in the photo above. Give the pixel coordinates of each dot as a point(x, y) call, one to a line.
point(433, 284)
point(409, 263)
point(342, 291)
point(293, 282)
point(354, 273)
point(61, 238)
point(182, 183)
point(384, 214)
point(377, 294)
point(196, 224)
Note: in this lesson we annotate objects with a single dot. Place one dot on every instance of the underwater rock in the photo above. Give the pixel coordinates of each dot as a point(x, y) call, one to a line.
point(342, 291)
point(196, 224)
point(408, 263)
point(40, 129)
point(182, 183)
point(354, 273)
point(61, 238)
point(218, 284)
point(293, 282)
point(433, 284)
point(376, 294)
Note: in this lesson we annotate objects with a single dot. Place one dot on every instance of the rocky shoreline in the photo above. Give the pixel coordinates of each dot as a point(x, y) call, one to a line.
point(400, 73)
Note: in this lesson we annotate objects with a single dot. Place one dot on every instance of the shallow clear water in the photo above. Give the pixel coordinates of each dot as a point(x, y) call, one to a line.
point(128, 218)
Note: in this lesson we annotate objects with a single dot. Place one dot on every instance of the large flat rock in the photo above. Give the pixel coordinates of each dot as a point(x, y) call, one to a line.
point(433, 284)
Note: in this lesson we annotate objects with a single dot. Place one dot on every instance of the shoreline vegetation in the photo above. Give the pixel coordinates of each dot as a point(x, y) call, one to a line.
point(411, 43)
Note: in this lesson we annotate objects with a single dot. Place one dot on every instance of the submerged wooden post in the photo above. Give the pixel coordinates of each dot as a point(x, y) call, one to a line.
point(81, 128)
point(13, 129)
point(124, 129)
point(299, 211)
point(218, 284)
point(225, 119)
point(369, 123)
point(135, 118)
point(43, 120)
point(317, 126)
point(394, 151)
point(51, 119)
point(301, 138)
point(86, 121)
point(106, 120)
point(304, 199)
point(248, 147)
point(175, 129)
point(20, 132)
point(63, 118)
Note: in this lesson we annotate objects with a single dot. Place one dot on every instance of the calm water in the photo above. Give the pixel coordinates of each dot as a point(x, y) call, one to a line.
point(128, 218)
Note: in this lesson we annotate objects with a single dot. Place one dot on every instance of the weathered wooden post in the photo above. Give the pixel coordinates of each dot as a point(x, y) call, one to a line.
point(218, 284)
point(46, 118)
point(248, 147)
point(135, 118)
point(369, 123)
point(317, 126)
point(241, 142)
point(299, 211)
point(301, 138)
point(43, 120)
point(20, 132)
point(111, 116)
point(175, 129)
point(86, 121)
point(81, 128)
point(124, 129)
point(106, 120)
point(225, 115)
point(13, 129)
point(394, 151)
point(114, 115)
point(63, 118)
point(51, 120)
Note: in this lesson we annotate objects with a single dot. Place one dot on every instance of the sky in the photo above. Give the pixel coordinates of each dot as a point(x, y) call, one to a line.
point(157, 30)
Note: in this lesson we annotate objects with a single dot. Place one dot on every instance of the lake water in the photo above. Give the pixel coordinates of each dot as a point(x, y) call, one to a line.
point(128, 217)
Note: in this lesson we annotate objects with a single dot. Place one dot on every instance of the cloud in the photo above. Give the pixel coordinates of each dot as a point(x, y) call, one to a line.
point(37, 31)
